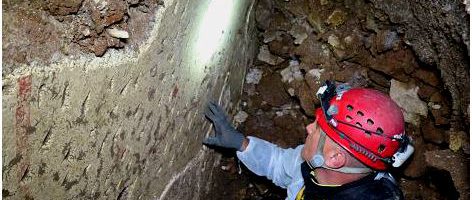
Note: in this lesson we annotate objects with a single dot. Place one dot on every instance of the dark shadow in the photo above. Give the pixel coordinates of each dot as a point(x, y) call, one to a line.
point(442, 181)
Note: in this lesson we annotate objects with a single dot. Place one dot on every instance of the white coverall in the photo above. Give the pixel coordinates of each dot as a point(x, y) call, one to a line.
point(282, 166)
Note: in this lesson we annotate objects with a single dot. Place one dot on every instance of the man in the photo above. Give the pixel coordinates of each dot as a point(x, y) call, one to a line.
point(357, 135)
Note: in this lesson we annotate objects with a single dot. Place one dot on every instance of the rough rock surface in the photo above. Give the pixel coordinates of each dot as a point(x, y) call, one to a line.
point(443, 160)
point(432, 134)
point(53, 29)
point(272, 90)
point(437, 34)
point(406, 96)
point(377, 44)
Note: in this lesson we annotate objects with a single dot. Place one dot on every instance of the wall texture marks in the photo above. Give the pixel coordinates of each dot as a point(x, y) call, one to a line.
point(127, 125)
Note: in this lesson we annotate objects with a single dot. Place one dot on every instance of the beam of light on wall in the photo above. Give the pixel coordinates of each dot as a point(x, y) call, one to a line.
point(213, 27)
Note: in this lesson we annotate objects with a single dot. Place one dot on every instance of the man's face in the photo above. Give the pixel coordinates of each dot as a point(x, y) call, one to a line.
point(311, 141)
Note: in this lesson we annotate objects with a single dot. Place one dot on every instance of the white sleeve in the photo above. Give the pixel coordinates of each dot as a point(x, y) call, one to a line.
point(282, 166)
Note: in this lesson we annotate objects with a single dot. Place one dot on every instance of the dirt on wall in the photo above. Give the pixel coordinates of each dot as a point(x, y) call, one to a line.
point(416, 51)
point(41, 32)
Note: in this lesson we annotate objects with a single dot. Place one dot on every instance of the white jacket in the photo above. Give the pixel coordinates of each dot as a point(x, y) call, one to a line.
point(282, 166)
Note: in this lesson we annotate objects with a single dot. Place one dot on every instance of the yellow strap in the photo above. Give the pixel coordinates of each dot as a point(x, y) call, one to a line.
point(301, 194)
point(322, 185)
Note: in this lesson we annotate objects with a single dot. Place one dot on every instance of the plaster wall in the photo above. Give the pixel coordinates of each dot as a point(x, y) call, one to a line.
point(127, 125)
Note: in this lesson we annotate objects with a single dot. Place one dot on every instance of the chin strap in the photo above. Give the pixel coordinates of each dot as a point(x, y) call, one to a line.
point(318, 160)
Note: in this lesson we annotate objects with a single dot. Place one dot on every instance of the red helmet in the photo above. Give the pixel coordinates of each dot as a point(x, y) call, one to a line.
point(365, 122)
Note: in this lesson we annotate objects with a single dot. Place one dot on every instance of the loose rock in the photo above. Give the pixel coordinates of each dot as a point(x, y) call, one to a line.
point(279, 22)
point(434, 106)
point(272, 90)
point(431, 133)
point(253, 76)
point(282, 46)
point(315, 21)
point(264, 10)
point(313, 52)
point(316, 73)
point(292, 72)
point(265, 56)
point(371, 24)
point(306, 98)
point(378, 78)
point(386, 40)
point(116, 33)
point(271, 35)
point(338, 48)
point(336, 18)
point(397, 64)
point(457, 140)
point(407, 98)
point(333, 40)
point(241, 117)
point(299, 34)
point(63, 8)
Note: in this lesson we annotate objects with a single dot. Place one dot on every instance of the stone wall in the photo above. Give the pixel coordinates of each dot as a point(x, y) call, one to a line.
point(415, 51)
point(129, 124)
point(438, 32)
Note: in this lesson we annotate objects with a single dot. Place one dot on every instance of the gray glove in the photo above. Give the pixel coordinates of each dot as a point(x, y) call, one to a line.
point(225, 134)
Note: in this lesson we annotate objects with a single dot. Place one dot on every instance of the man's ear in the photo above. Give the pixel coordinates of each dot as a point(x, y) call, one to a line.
point(335, 158)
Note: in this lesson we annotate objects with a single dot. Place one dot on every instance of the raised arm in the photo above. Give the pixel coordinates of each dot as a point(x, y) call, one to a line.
point(282, 166)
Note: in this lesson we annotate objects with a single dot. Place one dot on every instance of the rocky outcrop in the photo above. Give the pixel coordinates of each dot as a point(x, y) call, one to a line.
point(417, 52)
point(437, 34)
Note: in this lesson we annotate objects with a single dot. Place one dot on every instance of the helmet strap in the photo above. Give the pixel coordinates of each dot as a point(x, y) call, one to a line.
point(318, 160)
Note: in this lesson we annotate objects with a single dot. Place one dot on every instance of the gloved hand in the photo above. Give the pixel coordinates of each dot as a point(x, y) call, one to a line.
point(225, 134)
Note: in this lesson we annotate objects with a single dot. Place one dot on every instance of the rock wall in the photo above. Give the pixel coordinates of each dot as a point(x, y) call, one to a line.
point(415, 51)
point(129, 124)
point(438, 33)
